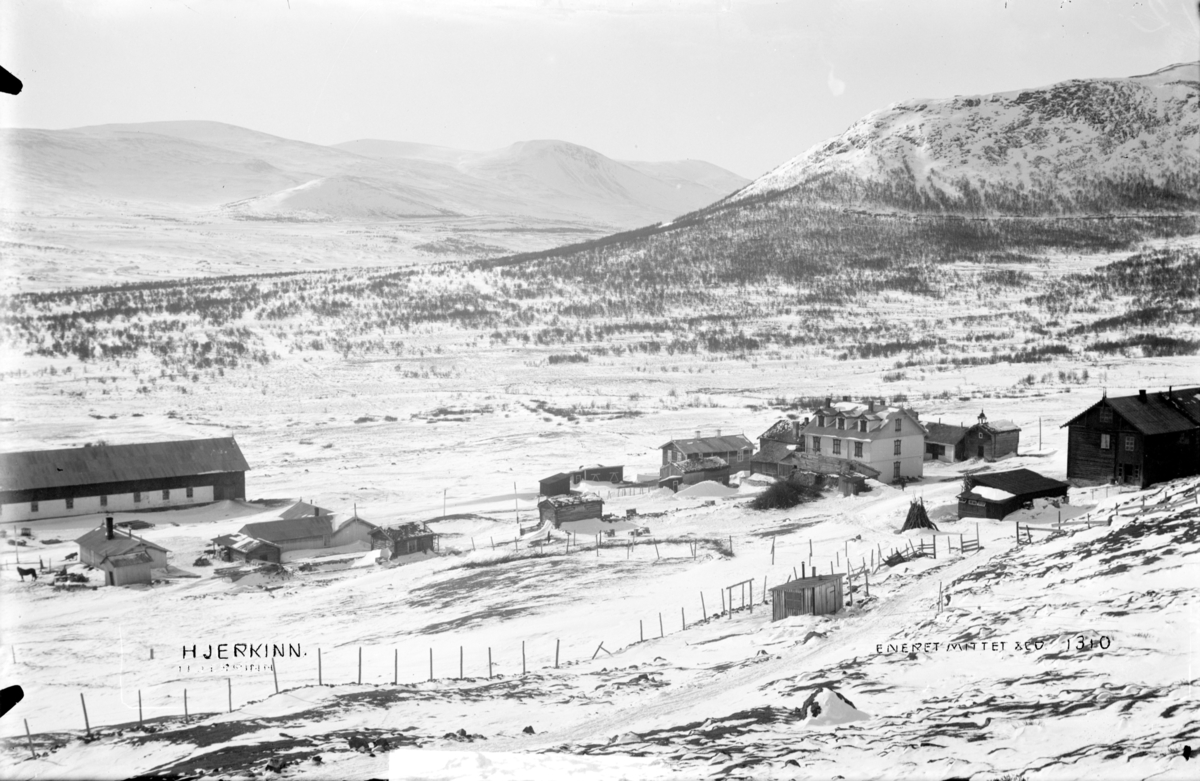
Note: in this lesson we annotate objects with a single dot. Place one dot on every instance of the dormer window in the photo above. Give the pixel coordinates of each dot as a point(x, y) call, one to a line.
point(897, 424)
point(862, 425)
point(841, 423)
point(821, 421)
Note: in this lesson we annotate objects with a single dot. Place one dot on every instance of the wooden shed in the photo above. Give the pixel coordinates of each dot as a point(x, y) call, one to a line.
point(556, 484)
point(815, 596)
point(300, 527)
point(352, 529)
point(406, 538)
point(991, 440)
point(105, 541)
point(573, 507)
point(126, 569)
point(996, 494)
point(234, 547)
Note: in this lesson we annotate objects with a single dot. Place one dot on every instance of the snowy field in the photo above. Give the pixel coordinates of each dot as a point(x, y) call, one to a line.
point(654, 678)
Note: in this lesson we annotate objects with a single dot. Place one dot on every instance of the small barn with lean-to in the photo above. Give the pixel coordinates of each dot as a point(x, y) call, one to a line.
point(814, 596)
point(123, 558)
point(556, 510)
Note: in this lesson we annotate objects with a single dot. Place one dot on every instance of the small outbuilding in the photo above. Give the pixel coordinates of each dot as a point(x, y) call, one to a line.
point(815, 596)
point(352, 529)
point(126, 569)
point(302, 526)
point(995, 495)
point(992, 440)
point(944, 442)
point(557, 484)
point(572, 507)
point(105, 541)
point(241, 547)
point(679, 473)
point(406, 538)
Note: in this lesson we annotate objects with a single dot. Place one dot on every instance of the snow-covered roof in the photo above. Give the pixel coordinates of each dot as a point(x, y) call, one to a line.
point(991, 494)
point(566, 500)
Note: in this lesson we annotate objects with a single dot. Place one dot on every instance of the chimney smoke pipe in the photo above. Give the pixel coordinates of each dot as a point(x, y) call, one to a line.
point(108, 528)
point(1142, 396)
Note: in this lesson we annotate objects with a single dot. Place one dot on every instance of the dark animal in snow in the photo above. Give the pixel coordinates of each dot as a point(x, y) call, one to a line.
point(23, 572)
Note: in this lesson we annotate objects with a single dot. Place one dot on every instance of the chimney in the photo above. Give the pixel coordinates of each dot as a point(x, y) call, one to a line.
point(828, 401)
point(718, 432)
point(108, 528)
point(1142, 396)
point(871, 405)
point(845, 398)
point(796, 429)
point(697, 433)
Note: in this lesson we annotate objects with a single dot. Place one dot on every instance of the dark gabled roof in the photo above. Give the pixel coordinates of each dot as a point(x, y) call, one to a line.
point(403, 531)
point(566, 500)
point(304, 510)
point(118, 463)
point(97, 541)
point(1161, 413)
point(809, 582)
point(944, 433)
point(783, 430)
point(302, 528)
point(555, 477)
point(699, 445)
point(1018, 481)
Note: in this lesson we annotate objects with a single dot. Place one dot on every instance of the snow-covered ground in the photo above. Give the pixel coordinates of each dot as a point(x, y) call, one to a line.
point(703, 691)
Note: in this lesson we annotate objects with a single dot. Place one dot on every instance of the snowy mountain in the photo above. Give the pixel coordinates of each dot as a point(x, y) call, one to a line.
point(1127, 144)
point(215, 166)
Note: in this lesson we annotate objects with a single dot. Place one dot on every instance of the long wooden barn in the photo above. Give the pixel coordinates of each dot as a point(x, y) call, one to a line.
point(119, 478)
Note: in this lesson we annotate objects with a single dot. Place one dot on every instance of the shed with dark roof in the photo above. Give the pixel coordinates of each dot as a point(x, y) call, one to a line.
point(572, 507)
point(114, 478)
point(996, 494)
point(944, 442)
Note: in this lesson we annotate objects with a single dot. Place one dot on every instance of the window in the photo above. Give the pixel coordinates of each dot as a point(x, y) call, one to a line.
point(858, 450)
point(816, 444)
point(841, 424)
point(980, 434)
point(137, 496)
point(1130, 443)
point(742, 456)
point(189, 492)
point(166, 494)
point(103, 500)
point(33, 507)
point(896, 448)
point(70, 503)
point(895, 469)
point(821, 421)
point(897, 424)
point(862, 425)
point(1106, 414)
point(837, 447)
point(1105, 442)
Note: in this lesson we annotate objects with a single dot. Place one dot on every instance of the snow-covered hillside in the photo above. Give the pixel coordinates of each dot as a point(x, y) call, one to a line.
point(1130, 144)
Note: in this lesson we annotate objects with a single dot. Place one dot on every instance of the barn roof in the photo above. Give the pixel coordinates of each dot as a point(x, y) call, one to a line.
point(556, 476)
point(302, 528)
point(1018, 481)
point(783, 430)
point(566, 500)
point(1161, 413)
point(97, 541)
point(242, 543)
point(773, 451)
point(944, 433)
point(118, 463)
point(699, 445)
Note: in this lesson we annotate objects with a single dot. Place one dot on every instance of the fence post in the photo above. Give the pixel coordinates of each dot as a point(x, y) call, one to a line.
point(751, 603)
point(360, 665)
point(803, 571)
point(431, 663)
point(731, 545)
point(185, 708)
point(764, 589)
point(977, 534)
point(810, 552)
point(489, 663)
point(87, 725)
point(682, 620)
point(275, 675)
point(703, 609)
point(661, 633)
point(320, 681)
point(657, 555)
point(460, 663)
point(939, 607)
point(32, 753)
point(139, 707)
point(598, 650)
point(556, 646)
point(229, 682)
point(641, 633)
point(395, 666)
point(522, 657)
point(722, 600)
point(772, 550)
point(867, 578)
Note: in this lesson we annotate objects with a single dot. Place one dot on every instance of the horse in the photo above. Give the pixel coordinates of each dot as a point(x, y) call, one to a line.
point(23, 572)
point(70, 556)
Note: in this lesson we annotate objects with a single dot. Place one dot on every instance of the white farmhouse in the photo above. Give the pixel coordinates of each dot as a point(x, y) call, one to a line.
point(888, 439)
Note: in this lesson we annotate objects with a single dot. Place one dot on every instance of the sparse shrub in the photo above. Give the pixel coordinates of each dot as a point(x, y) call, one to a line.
point(784, 494)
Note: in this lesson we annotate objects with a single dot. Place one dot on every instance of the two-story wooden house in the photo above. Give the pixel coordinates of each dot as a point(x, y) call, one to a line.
point(1140, 439)
point(890, 440)
point(736, 450)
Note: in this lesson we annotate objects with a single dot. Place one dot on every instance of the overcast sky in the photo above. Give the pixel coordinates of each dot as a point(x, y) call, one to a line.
point(745, 84)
